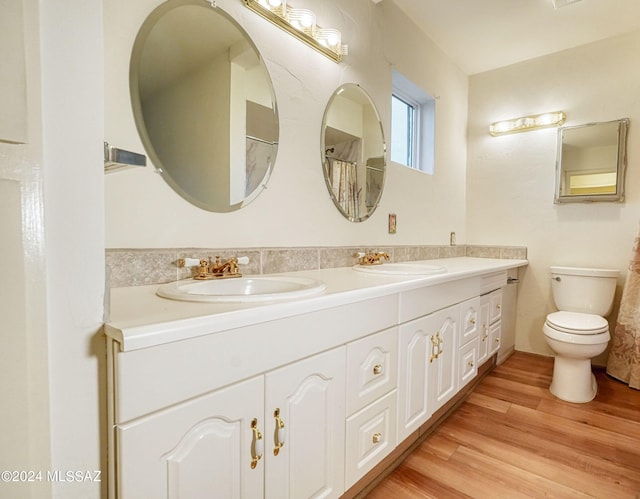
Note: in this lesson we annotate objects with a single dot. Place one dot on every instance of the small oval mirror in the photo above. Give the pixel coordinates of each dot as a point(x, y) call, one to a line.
point(353, 152)
point(591, 162)
point(204, 105)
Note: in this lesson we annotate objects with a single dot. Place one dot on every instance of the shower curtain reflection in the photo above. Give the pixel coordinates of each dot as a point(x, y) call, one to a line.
point(624, 357)
point(344, 183)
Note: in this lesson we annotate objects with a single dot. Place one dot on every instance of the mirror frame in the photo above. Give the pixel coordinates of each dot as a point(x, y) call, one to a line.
point(325, 160)
point(210, 204)
point(621, 166)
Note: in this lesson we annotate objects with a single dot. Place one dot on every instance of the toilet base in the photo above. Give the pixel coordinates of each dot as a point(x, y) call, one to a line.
point(573, 380)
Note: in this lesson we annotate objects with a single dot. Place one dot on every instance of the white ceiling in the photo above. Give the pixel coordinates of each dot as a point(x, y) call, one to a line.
point(480, 35)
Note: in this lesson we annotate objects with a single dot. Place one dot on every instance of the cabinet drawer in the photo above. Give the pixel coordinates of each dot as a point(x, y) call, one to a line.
point(428, 299)
point(495, 306)
point(371, 435)
point(371, 368)
point(493, 281)
point(468, 367)
point(469, 321)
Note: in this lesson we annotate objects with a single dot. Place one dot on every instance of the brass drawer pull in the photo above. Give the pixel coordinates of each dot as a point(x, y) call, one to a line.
point(257, 444)
point(279, 433)
point(377, 437)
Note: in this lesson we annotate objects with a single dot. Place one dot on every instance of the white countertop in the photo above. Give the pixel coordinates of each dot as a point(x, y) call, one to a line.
point(139, 318)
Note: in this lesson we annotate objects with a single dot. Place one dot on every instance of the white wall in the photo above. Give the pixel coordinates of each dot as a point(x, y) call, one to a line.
point(511, 179)
point(142, 211)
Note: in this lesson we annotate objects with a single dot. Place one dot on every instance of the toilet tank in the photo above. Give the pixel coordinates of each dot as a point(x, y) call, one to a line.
point(586, 290)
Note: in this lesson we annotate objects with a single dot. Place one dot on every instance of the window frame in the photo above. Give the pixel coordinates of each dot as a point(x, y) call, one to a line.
point(424, 113)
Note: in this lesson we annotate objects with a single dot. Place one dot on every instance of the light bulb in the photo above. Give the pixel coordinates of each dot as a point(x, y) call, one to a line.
point(329, 37)
point(302, 19)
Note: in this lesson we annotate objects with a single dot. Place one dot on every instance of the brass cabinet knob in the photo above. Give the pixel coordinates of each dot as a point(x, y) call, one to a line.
point(377, 437)
point(377, 369)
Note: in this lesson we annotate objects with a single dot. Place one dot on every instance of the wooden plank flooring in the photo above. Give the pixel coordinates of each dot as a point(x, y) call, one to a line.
point(511, 438)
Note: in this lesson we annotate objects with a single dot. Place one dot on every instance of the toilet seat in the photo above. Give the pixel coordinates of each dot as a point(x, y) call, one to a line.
point(577, 328)
point(577, 323)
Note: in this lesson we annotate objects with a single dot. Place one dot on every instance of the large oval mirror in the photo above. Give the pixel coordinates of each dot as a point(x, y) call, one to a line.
point(591, 162)
point(353, 152)
point(204, 105)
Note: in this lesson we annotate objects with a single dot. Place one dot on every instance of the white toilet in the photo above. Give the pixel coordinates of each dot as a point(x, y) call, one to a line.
point(579, 331)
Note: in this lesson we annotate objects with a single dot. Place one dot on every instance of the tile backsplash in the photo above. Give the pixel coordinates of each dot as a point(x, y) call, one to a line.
point(138, 267)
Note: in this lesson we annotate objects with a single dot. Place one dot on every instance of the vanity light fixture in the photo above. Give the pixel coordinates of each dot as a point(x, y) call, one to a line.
point(526, 123)
point(301, 23)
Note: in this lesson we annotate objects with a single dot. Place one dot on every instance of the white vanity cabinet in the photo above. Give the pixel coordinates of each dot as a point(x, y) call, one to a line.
point(490, 328)
point(291, 400)
point(372, 369)
point(182, 411)
point(208, 447)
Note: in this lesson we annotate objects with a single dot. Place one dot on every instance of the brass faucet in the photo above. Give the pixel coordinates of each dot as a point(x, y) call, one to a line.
point(371, 258)
point(217, 269)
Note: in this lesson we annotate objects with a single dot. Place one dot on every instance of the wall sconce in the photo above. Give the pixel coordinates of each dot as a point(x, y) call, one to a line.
point(301, 23)
point(527, 123)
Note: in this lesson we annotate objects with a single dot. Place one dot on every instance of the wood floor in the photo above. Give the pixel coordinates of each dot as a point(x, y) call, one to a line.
point(511, 438)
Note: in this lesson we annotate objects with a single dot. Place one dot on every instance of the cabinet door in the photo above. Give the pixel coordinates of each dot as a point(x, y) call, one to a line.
point(495, 331)
point(483, 337)
point(415, 351)
point(442, 371)
point(197, 449)
point(310, 398)
point(427, 367)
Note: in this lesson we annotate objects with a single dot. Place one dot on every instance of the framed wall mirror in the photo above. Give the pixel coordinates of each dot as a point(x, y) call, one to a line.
point(591, 162)
point(204, 105)
point(353, 152)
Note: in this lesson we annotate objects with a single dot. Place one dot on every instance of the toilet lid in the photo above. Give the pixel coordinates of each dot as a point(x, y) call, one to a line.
point(577, 323)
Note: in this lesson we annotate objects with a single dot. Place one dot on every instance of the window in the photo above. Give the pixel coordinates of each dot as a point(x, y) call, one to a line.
point(412, 125)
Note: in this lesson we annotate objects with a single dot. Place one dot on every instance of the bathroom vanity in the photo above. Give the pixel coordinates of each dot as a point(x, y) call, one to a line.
point(291, 399)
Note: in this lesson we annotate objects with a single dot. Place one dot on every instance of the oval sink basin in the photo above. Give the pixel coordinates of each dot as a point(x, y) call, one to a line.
point(402, 268)
point(242, 289)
